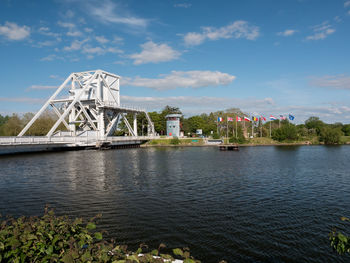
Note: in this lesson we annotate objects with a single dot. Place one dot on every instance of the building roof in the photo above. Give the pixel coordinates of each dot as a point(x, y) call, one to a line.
point(173, 116)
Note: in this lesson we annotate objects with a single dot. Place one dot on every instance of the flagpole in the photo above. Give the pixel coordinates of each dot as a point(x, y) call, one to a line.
point(270, 128)
point(226, 128)
point(252, 127)
point(236, 127)
point(260, 127)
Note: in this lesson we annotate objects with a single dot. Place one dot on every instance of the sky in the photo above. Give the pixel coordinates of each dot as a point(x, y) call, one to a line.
point(264, 57)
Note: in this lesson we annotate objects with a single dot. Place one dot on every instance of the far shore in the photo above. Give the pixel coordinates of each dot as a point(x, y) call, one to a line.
point(199, 142)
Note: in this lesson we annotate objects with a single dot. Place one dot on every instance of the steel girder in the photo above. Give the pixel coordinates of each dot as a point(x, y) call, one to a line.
point(93, 104)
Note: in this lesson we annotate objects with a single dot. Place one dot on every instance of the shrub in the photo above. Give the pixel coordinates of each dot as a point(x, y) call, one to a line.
point(339, 241)
point(175, 141)
point(330, 136)
point(239, 139)
point(58, 239)
point(286, 132)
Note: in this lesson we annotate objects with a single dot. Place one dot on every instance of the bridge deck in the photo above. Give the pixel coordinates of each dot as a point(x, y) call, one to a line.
point(70, 140)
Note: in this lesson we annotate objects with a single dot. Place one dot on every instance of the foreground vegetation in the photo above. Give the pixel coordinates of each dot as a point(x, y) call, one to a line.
point(53, 238)
point(339, 241)
point(313, 131)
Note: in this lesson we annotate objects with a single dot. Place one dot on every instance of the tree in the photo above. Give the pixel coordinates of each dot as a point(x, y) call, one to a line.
point(346, 129)
point(13, 126)
point(3, 120)
point(314, 123)
point(330, 136)
point(286, 132)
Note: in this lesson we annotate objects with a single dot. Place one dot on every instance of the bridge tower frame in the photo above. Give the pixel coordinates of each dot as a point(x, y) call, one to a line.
point(93, 106)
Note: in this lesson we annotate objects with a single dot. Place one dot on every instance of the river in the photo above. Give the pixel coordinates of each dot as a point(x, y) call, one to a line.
point(260, 204)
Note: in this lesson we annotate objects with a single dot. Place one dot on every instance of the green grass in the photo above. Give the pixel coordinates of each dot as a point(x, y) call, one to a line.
point(345, 139)
point(170, 141)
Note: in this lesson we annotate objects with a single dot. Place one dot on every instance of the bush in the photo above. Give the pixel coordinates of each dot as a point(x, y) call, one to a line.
point(339, 241)
point(287, 132)
point(239, 139)
point(57, 239)
point(330, 136)
point(175, 141)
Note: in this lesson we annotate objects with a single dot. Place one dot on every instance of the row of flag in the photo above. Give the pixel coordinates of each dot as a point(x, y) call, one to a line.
point(262, 118)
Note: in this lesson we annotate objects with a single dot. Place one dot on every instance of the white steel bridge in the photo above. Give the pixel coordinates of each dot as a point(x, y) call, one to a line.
point(90, 115)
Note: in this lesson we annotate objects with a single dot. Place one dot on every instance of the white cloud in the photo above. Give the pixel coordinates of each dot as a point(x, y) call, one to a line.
point(117, 40)
point(109, 12)
point(66, 25)
point(99, 50)
point(321, 31)
point(183, 5)
point(329, 112)
point(154, 53)
point(88, 30)
point(72, 29)
point(75, 45)
point(93, 50)
point(48, 43)
point(51, 57)
point(101, 39)
point(347, 4)
point(237, 29)
point(182, 79)
point(332, 81)
point(46, 31)
point(12, 31)
point(40, 87)
point(287, 32)
point(74, 33)
point(197, 105)
point(69, 14)
point(23, 100)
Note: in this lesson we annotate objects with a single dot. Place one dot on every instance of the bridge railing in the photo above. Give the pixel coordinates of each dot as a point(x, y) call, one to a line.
point(85, 140)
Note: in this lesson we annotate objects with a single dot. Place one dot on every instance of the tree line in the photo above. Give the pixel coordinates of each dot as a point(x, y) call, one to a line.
point(313, 129)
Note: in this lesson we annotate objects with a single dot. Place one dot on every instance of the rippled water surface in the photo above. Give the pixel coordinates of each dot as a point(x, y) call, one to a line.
point(261, 204)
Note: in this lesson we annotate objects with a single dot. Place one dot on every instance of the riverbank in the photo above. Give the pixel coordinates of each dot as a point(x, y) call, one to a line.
point(199, 142)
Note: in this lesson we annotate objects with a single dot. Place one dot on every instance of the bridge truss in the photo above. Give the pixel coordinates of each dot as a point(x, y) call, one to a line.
point(92, 108)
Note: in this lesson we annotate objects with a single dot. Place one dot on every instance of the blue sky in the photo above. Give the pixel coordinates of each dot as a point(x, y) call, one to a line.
point(265, 57)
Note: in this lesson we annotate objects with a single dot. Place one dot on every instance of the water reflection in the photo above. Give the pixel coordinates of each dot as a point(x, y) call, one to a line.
point(255, 205)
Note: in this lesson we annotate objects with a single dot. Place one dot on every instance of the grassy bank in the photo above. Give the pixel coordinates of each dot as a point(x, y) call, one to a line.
point(176, 142)
point(312, 140)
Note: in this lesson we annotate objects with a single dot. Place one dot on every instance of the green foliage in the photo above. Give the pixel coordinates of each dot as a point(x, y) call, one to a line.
point(58, 239)
point(240, 137)
point(339, 241)
point(175, 141)
point(314, 123)
point(330, 136)
point(346, 129)
point(287, 132)
point(12, 126)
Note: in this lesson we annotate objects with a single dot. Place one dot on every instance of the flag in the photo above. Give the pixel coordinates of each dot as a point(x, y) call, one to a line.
point(262, 118)
point(291, 117)
point(229, 119)
point(238, 118)
point(220, 119)
point(282, 117)
point(255, 118)
point(273, 118)
point(246, 119)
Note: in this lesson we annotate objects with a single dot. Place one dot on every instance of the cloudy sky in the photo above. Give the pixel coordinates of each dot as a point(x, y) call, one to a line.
point(265, 57)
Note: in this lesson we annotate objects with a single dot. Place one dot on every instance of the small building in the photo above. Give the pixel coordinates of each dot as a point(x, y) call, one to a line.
point(173, 125)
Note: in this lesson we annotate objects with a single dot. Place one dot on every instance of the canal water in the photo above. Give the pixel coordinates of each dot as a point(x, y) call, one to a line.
point(261, 204)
